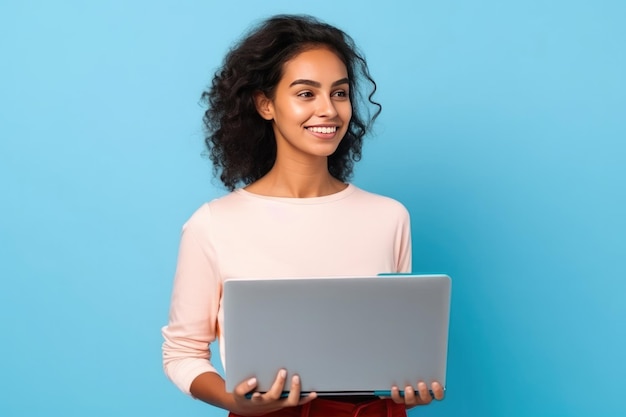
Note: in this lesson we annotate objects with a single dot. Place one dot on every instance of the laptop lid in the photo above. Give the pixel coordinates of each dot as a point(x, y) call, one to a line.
point(349, 335)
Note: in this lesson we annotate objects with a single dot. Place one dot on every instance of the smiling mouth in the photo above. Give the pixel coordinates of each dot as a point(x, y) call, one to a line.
point(329, 129)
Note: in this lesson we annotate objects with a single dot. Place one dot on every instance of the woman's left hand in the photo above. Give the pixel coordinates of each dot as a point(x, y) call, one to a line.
point(417, 396)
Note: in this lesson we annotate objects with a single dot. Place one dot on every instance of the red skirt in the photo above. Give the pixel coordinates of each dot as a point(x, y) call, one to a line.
point(328, 408)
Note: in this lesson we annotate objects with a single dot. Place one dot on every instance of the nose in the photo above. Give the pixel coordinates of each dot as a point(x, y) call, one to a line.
point(326, 107)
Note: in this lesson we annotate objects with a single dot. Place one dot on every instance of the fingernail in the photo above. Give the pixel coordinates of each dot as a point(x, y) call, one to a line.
point(282, 373)
point(296, 379)
point(252, 382)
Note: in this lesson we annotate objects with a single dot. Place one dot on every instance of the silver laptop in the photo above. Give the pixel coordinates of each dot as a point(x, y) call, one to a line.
point(343, 336)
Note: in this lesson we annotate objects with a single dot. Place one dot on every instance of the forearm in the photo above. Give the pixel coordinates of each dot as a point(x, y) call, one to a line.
point(211, 388)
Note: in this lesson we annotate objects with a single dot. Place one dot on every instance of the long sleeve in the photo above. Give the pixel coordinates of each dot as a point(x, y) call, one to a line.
point(194, 306)
point(243, 235)
point(404, 245)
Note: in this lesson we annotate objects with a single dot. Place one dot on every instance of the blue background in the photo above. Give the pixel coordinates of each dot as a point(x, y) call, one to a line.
point(503, 132)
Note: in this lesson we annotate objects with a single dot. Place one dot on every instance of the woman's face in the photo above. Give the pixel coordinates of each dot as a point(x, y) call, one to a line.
point(311, 107)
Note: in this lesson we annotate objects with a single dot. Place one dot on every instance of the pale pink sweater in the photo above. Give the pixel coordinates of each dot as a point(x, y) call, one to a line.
point(245, 235)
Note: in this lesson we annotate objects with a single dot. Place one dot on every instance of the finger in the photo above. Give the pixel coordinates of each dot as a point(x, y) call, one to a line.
point(308, 398)
point(294, 392)
point(424, 394)
point(395, 395)
point(245, 387)
point(276, 390)
point(437, 390)
point(411, 398)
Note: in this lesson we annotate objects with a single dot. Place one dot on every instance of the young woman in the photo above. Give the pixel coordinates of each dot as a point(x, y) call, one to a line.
point(283, 130)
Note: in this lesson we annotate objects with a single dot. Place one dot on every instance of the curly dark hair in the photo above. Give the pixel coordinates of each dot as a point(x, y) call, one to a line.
point(240, 143)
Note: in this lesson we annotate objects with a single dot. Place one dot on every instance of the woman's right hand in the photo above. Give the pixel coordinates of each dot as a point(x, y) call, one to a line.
point(263, 403)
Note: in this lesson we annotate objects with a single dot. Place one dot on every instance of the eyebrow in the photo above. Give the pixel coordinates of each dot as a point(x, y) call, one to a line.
point(317, 84)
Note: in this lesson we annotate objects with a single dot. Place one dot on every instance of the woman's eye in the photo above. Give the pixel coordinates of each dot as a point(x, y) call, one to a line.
point(305, 94)
point(340, 93)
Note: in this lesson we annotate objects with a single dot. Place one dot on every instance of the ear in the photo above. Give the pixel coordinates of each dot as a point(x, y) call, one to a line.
point(263, 105)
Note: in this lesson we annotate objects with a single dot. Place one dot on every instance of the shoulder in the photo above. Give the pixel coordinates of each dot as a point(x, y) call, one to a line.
point(378, 202)
point(204, 217)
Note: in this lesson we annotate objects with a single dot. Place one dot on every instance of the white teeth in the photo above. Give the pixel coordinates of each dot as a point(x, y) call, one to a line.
point(323, 129)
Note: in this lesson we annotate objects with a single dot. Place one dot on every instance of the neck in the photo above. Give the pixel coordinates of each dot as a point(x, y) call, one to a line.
point(298, 180)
